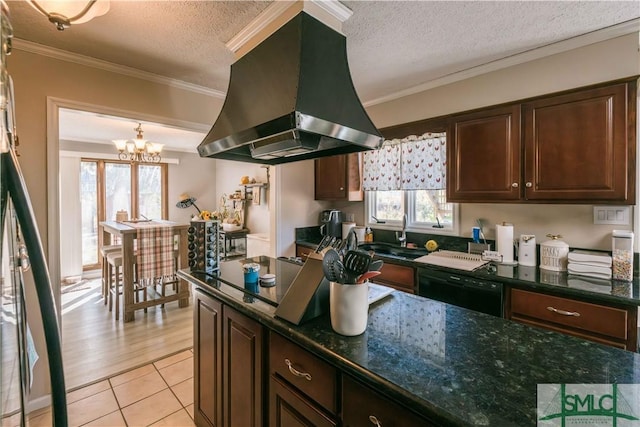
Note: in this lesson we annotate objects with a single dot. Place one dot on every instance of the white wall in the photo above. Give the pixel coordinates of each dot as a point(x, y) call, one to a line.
point(295, 204)
point(228, 174)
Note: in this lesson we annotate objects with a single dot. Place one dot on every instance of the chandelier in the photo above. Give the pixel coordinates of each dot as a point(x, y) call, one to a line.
point(138, 150)
point(64, 13)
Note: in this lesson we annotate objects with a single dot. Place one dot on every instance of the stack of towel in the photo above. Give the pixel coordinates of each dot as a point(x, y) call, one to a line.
point(589, 263)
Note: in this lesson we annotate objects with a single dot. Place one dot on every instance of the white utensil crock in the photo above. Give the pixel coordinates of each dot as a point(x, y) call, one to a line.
point(349, 307)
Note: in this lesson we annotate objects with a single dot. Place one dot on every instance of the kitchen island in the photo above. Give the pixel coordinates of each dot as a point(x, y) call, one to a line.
point(445, 364)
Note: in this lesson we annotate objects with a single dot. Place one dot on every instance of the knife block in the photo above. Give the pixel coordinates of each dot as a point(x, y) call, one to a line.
point(308, 295)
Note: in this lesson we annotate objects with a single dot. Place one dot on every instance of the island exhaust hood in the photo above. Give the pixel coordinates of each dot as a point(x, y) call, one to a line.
point(291, 98)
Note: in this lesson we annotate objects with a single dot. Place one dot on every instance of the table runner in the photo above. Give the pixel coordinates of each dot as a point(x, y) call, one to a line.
point(155, 252)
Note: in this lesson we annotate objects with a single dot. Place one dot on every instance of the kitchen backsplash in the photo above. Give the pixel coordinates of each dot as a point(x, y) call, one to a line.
point(452, 243)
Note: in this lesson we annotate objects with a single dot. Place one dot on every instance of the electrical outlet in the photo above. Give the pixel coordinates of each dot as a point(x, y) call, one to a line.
point(611, 215)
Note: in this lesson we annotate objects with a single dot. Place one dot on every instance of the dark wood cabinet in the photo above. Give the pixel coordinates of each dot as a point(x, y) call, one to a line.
point(400, 277)
point(363, 407)
point(289, 408)
point(228, 360)
point(483, 152)
point(578, 146)
point(574, 147)
point(207, 358)
point(611, 325)
point(242, 358)
point(339, 178)
point(303, 388)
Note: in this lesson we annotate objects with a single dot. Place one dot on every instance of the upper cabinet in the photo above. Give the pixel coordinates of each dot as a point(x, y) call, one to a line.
point(339, 178)
point(579, 147)
point(576, 147)
point(483, 152)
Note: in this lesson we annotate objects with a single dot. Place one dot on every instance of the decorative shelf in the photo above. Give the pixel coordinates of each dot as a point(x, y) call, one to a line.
point(250, 189)
point(255, 184)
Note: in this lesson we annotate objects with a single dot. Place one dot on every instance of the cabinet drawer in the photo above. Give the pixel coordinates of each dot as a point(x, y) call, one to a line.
point(609, 321)
point(363, 407)
point(289, 408)
point(400, 277)
point(303, 370)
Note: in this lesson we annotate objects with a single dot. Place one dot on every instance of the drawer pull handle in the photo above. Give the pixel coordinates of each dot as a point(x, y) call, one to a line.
point(564, 312)
point(295, 372)
point(375, 421)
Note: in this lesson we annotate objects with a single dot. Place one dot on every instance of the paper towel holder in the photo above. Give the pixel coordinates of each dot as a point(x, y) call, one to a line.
point(500, 249)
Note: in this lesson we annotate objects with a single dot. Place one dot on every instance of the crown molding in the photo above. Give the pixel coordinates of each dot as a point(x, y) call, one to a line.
point(334, 8)
point(266, 17)
point(608, 33)
point(64, 55)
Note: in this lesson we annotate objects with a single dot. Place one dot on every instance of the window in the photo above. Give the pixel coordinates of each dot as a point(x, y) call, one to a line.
point(109, 186)
point(407, 176)
point(425, 209)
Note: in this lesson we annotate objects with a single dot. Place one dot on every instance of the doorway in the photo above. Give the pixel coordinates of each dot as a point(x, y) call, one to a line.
point(87, 184)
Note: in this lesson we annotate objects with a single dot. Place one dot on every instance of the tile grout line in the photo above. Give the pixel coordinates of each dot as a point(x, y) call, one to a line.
point(156, 369)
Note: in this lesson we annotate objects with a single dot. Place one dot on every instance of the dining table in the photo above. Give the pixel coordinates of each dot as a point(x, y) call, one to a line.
point(126, 232)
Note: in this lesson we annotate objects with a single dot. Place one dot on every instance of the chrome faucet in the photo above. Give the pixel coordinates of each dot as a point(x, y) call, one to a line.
point(402, 238)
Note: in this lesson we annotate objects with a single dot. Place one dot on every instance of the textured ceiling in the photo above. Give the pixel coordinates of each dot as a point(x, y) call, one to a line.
point(392, 45)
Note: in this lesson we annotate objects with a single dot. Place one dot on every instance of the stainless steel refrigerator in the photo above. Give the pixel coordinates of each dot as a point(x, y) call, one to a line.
point(24, 276)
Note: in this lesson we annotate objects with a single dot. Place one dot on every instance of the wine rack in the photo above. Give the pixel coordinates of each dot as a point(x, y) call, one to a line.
point(203, 246)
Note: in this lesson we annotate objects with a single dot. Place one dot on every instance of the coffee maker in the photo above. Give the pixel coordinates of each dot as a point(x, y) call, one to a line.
point(331, 223)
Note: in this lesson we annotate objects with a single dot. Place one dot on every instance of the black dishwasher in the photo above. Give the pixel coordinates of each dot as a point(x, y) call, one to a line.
point(464, 291)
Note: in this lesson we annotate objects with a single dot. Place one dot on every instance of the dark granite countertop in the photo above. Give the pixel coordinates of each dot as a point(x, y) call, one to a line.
point(452, 365)
point(536, 279)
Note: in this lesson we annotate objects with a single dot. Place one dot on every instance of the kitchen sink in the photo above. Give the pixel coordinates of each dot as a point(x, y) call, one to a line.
point(393, 250)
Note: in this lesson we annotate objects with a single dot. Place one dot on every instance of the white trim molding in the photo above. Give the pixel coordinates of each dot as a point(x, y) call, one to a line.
point(331, 12)
point(530, 55)
point(53, 169)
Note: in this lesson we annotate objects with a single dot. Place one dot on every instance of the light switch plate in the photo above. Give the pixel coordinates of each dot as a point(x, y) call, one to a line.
point(612, 215)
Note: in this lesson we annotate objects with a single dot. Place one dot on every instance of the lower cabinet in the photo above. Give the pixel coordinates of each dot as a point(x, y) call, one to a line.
point(248, 376)
point(304, 388)
point(363, 407)
point(611, 325)
point(289, 408)
point(228, 360)
point(207, 359)
point(400, 277)
point(242, 373)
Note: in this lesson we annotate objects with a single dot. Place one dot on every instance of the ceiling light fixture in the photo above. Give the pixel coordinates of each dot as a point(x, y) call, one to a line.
point(63, 13)
point(138, 150)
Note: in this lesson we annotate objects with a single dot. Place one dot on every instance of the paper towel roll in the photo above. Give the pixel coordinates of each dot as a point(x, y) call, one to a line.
point(346, 226)
point(360, 232)
point(504, 242)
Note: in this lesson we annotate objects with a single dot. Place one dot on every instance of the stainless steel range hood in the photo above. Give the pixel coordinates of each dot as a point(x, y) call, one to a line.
point(291, 98)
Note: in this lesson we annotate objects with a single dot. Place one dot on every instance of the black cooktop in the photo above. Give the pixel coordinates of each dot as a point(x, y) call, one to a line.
point(285, 270)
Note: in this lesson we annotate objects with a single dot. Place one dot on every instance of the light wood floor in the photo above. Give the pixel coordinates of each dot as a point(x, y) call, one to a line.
point(95, 346)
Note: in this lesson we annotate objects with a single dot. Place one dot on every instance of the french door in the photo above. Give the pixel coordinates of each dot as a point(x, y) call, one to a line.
point(107, 187)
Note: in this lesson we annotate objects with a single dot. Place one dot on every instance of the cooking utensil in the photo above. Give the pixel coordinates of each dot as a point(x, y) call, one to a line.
point(332, 266)
point(375, 265)
point(322, 244)
point(367, 275)
point(356, 262)
point(352, 240)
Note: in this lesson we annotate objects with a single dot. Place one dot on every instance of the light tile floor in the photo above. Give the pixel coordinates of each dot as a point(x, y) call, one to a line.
point(157, 394)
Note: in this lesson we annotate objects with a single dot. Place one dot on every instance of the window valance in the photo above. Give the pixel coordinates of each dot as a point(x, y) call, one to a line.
point(411, 163)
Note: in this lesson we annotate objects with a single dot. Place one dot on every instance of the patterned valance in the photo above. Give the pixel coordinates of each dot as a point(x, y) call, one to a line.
point(411, 163)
